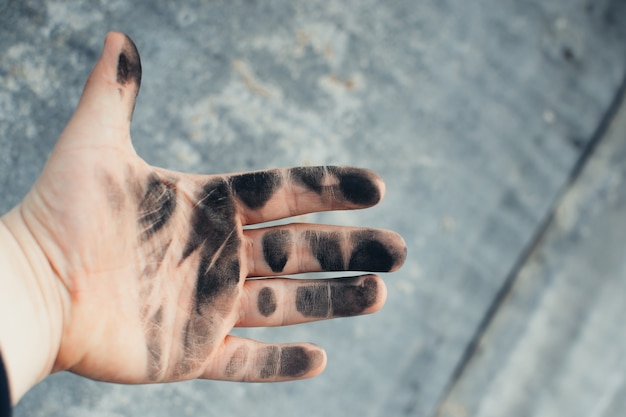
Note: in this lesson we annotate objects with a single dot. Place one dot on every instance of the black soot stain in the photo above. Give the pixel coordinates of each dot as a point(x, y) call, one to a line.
point(269, 361)
point(313, 300)
point(357, 187)
point(276, 248)
point(129, 64)
point(213, 229)
point(349, 299)
point(309, 177)
point(369, 254)
point(326, 248)
point(341, 297)
point(215, 279)
point(294, 361)
point(212, 218)
point(266, 302)
point(255, 188)
point(156, 206)
point(289, 361)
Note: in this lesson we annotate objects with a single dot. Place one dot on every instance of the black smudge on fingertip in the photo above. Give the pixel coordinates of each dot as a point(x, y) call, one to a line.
point(276, 247)
point(370, 255)
point(295, 361)
point(266, 301)
point(326, 248)
point(375, 251)
point(129, 64)
point(350, 300)
point(255, 188)
point(357, 187)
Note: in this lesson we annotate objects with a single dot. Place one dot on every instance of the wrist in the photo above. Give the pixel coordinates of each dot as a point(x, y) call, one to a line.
point(31, 318)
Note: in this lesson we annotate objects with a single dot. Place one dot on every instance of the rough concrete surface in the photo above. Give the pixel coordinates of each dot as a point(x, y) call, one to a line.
point(475, 114)
point(557, 337)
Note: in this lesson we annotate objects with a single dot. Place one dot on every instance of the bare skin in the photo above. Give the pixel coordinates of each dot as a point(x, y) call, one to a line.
point(142, 272)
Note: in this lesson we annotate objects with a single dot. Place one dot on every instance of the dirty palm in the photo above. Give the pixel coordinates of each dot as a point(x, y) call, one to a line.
point(156, 263)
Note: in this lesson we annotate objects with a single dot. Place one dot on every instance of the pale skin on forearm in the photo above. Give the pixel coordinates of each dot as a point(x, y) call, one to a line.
point(30, 307)
point(124, 272)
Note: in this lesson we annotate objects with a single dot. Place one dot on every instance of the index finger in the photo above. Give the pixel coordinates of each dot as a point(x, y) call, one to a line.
point(279, 193)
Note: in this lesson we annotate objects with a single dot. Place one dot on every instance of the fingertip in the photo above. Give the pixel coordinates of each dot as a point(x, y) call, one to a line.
point(300, 361)
point(121, 64)
point(381, 294)
point(360, 186)
point(322, 362)
point(380, 184)
point(319, 360)
point(400, 251)
point(128, 63)
point(108, 99)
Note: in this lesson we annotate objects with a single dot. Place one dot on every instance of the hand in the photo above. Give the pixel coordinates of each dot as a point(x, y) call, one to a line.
point(151, 265)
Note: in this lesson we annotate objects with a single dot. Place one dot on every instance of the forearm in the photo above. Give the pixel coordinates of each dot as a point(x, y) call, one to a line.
point(30, 322)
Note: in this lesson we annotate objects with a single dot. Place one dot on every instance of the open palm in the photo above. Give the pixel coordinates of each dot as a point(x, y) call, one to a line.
point(155, 264)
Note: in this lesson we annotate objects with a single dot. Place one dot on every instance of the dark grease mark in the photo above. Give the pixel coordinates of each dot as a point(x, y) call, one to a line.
point(350, 300)
point(266, 301)
point(352, 184)
point(214, 234)
point(129, 64)
point(294, 362)
point(276, 248)
point(236, 362)
point(269, 361)
point(326, 248)
point(255, 188)
point(212, 219)
point(310, 177)
point(357, 187)
point(156, 206)
point(369, 254)
point(220, 278)
point(313, 300)
point(340, 297)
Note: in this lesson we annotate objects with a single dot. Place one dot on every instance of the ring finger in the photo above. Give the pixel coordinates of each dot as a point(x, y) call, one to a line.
point(283, 301)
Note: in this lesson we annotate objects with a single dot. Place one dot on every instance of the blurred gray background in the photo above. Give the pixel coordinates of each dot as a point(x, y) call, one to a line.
point(498, 126)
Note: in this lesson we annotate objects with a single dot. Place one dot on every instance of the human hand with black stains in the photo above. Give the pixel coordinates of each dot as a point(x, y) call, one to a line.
point(142, 272)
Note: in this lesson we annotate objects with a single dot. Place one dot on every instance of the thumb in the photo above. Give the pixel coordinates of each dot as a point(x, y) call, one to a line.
point(106, 106)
